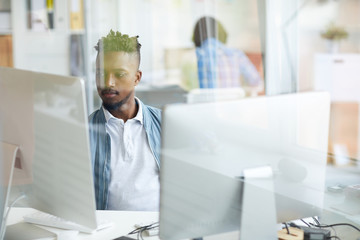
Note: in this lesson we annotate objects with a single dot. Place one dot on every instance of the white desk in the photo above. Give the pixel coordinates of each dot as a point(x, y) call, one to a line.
point(124, 222)
point(345, 176)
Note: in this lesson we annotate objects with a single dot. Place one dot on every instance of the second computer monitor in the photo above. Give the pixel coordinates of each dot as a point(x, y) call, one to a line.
point(206, 147)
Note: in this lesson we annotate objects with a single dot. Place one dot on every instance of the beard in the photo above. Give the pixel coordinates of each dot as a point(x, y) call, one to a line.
point(117, 105)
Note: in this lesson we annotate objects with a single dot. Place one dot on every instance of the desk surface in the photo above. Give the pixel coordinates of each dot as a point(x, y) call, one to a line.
point(334, 202)
point(124, 222)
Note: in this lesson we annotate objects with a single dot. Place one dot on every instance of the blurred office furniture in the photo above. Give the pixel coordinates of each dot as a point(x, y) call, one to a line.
point(6, 58)
point(48, 44)
point(77, 55)
point(76, 14)
point(344, 133)
point(256, 59)
point(181, 66)
point(160, 95)
point(339, 74)
point(214, 94)
point(5, 20)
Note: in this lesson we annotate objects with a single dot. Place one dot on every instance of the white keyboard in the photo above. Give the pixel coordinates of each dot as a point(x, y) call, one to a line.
point(49, 220)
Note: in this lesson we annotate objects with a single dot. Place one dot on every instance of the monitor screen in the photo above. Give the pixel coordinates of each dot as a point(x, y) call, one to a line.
point(46, 116)
point(206, 146)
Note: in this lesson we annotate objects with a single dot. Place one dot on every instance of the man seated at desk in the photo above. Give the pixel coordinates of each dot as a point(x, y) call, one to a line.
point(124, 132)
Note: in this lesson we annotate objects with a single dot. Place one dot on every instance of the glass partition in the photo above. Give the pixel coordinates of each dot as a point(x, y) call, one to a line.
point(295, 46)
point(307, 45)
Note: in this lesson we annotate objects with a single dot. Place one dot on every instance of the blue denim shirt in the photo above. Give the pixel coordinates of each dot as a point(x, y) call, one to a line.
point(221, 67)
point(100, 148)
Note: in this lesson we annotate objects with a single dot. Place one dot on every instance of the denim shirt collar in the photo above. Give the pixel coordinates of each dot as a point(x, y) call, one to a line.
point(139, 115)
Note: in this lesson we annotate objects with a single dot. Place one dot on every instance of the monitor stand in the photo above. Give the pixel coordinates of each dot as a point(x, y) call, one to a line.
point(258, 215)
point(7, 162)
point(8, 154)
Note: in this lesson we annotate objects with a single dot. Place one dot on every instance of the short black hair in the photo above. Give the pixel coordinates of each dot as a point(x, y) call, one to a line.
point(208, 27)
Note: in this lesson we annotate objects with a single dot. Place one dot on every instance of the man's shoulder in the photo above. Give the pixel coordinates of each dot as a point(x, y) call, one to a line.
point(96, 116)
point(153, 109)
point(154, 113)
point(149, 109)
point(151, 114)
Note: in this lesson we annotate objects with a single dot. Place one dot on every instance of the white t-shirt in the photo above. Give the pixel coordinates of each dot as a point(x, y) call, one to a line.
point(134, 184)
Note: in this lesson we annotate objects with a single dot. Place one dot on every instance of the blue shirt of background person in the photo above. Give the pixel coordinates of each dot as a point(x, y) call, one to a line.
point(218, 65)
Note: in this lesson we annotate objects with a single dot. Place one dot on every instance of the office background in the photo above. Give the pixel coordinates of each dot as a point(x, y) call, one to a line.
point(58, 37)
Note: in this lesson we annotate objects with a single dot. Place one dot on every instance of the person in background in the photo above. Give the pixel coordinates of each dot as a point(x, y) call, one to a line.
point(218, 65)
point(124, 132)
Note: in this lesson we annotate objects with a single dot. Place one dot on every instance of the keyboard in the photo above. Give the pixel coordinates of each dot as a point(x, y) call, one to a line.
point(49, 220)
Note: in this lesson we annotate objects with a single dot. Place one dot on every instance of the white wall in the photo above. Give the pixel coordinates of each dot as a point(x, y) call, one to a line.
point(43, 51)
point(312, 20)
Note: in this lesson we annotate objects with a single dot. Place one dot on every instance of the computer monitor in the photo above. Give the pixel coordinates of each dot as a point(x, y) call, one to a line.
point(46, 116)
point(206, 146)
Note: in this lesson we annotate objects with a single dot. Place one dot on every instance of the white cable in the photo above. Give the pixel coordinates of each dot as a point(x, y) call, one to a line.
point(2, 232)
